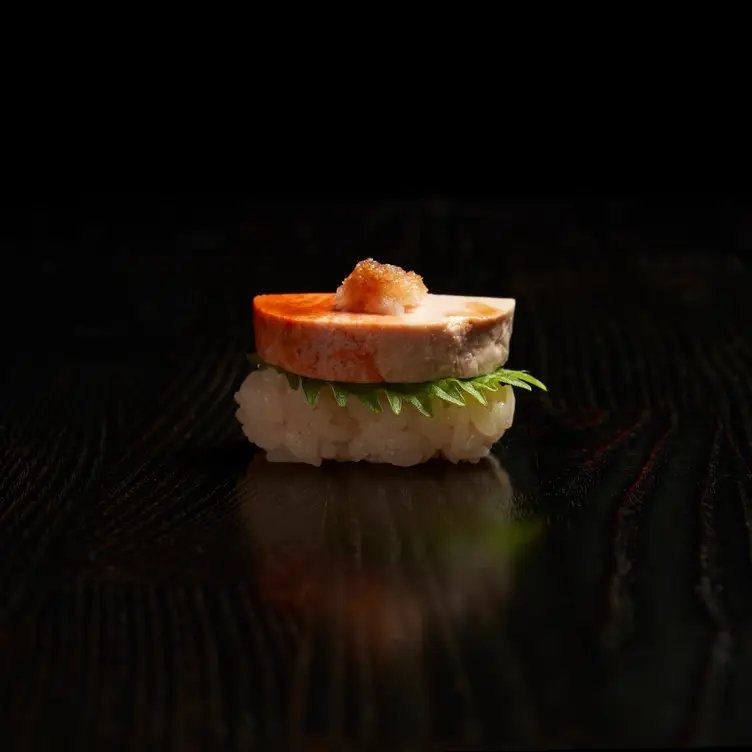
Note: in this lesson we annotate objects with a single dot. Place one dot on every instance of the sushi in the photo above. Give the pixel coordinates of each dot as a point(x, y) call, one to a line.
point(379, 371)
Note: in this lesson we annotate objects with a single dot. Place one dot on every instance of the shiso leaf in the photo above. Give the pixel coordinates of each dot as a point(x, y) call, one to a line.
point(469, 387)
point(420, 396)
point(395, 401)
point(525, 376)
point(486, 382)
point(311, 389)
point(512, 381)
point(369, 397)
point(340, 394)
point(421, 402)
point(446, 391)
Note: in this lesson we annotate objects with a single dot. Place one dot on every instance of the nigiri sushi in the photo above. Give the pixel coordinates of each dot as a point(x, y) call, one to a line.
point(379, 371)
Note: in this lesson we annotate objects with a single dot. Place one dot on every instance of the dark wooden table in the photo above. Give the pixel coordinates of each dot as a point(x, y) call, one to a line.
point(163, 588)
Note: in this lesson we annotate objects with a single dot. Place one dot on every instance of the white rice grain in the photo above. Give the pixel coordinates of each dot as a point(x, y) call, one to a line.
point(280, 421)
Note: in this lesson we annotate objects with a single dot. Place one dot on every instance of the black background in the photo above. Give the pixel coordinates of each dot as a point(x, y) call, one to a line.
point(132, 613)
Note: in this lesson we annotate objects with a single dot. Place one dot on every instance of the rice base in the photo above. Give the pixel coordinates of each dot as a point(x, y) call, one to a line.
point(279, 420)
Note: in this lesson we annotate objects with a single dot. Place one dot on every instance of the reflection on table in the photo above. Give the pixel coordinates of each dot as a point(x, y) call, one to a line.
point(382, 555)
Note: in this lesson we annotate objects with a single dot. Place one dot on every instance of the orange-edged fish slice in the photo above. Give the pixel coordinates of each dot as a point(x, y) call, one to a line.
point(445, 336)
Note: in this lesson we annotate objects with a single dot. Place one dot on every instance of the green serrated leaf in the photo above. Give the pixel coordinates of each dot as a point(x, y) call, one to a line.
point(446, 391)
point(417, 395)
point(340, 394)
point(512, 381)
point(395, 401)
point(484, 382)
point(311, 389)
point(421, 402)
point(370, 398)
point(525, 376)
point(469, 387)
point(453, 387)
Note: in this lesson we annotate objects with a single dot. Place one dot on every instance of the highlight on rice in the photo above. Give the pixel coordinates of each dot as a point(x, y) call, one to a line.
point(280, 420)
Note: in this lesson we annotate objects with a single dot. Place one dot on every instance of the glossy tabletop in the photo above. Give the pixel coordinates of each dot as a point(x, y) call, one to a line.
point(163, 587)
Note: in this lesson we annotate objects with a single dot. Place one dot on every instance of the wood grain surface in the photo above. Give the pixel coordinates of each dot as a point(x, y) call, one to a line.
point(162, 587)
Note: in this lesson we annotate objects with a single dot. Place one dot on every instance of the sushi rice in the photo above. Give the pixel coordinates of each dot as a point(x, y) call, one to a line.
point(279, 420)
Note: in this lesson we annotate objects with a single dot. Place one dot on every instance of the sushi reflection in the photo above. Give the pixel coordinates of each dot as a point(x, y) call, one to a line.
point(380, 553)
